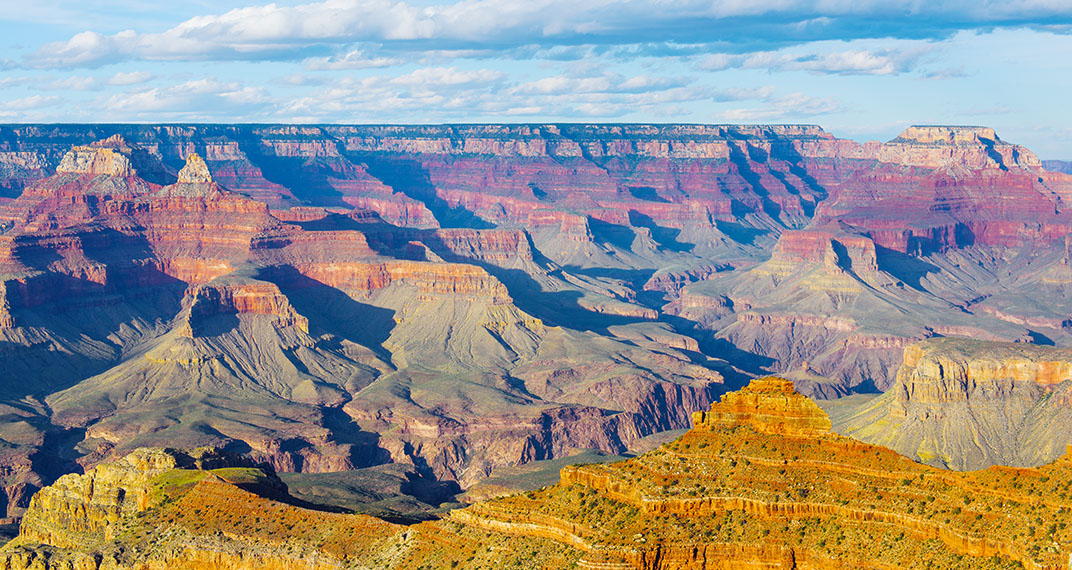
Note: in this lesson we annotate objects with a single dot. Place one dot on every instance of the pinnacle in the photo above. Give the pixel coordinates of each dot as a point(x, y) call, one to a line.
point(768, 405)
point(195, 171)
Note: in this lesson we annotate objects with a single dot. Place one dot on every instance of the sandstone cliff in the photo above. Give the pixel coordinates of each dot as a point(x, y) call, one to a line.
point(80, 511)
point(966, 404)
point(160, 508)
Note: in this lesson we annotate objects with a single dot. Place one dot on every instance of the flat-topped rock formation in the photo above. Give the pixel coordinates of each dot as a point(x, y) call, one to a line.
point(947, 134)
point(966, 403)
point(110, 157)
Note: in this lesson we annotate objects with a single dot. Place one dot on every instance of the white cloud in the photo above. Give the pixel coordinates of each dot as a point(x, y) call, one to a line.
point(6, 82)
point(530, 110)
point(302, 79)
point(202, 96)
point(33, 102)
point(353, 59)
point(451, 94)
point(744, 93)
point(86, 49)
point(73, 83)
point(444, 76)
point(598, 109)
point(561, 84)
point(640, 83)
point(601, 83)
point(815, 60)
point(124, 78)
point(790, 107)
point(431, 92)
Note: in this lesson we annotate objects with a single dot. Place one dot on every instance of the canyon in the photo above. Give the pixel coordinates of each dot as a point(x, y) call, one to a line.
point(459, 299)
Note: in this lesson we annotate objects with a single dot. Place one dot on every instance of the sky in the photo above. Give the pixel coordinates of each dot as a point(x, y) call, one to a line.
point(863, 69)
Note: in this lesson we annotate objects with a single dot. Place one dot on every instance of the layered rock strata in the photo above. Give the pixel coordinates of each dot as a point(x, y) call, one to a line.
point(762, 482)
point(185, 313)
point(759, 483)
point(767, 404)
point(965, 404)
point(158, 508)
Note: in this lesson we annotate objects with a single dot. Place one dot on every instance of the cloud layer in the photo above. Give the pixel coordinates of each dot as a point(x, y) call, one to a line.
point(281, 32)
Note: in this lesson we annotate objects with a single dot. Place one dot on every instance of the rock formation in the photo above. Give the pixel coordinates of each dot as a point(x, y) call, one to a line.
point(188, 314)
point(195, 171)
point(101, 160)
point(767, 405)
point(1058, 166)
point(759, 482)
point(160, 508)
point(777, 489)
point(83, 510)
point(965, 404)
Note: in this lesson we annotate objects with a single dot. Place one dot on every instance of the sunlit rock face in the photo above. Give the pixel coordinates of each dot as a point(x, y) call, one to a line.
point(965, 404)
point(767, 405)
point(759, 482)
point(195, 171)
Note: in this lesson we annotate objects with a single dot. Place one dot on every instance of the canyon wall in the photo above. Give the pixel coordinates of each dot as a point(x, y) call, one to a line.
point(965, 404)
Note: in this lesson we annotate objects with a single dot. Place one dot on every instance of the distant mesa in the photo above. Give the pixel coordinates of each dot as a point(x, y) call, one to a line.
point(1062, 166)
point(947, 134)
point(116, 142)
point(961, 148)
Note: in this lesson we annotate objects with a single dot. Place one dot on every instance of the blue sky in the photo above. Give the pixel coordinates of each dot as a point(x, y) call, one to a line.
point(863, 69)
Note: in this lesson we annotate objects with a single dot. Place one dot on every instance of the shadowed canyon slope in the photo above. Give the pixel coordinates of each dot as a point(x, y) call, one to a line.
point(759, 482)
point(463, 298)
